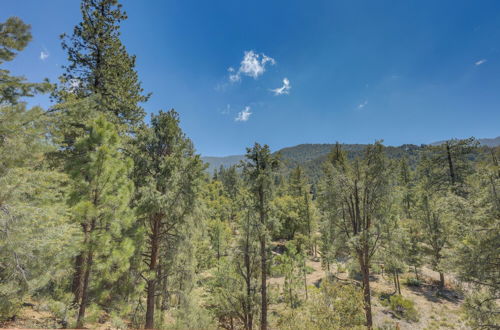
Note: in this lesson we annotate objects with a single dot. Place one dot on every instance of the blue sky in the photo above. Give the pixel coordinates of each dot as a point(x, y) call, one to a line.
point(401, 71)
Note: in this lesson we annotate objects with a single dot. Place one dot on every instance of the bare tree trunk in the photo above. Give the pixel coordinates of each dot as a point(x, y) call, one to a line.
point(450, 164)
point(399, 284)
point(84, 293)
point(77, 283)
point(305, 280)
point(151, 282)
point(441, 280)
point(248, 313)
point(365, 270)
point(263, 289)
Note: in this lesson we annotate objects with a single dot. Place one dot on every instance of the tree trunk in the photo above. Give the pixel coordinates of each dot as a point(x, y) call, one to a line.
point(151, 282)
point(84, 291)
point(399, 284)
point(450, 164)
point(441, 280)
point(365, 270)
point(305, 279)
point(248, 314)
point(263, 289)
point(77, 283)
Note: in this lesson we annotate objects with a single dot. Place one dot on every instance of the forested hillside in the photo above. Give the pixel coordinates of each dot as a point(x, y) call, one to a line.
point(311, 156)
point(109, 220)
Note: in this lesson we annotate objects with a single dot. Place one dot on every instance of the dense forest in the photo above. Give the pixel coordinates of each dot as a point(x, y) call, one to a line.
point(109, 219)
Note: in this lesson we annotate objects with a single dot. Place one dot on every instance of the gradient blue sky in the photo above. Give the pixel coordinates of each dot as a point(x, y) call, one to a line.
point(402, 71)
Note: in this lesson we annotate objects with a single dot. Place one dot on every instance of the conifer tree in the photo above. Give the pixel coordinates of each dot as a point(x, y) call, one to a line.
point(259, 170)
point(169, 175)
point(14, 37)
point(478, 249)
point(35, 235)
point(411, 233)
point(356, 195)
point(234, 291)
point(100, 203)
point(100, 66)
point(434, 211)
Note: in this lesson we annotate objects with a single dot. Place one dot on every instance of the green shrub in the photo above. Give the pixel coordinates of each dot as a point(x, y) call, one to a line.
point(403, 307)
point(341, 268)
point(384, 298)
point(354, 270)
point(412, 281)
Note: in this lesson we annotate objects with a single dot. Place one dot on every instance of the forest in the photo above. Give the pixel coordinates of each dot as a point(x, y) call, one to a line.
point(110, 220)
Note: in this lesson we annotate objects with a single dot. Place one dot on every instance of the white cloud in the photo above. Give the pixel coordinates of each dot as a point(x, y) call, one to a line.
point(244, 114)
point(482, 61)
point(362, 105)
point(285, 89)
point(44, 54)
point(253, 65)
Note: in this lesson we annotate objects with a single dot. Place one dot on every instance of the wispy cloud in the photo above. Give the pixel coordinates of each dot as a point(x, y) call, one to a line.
point(44, 54)
point(362, 105)
point(252, 65)
point(244, 114)
point(285, 89)
point(482, 61)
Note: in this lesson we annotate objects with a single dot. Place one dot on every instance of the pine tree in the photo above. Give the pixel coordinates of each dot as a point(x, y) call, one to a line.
point(478, 248)
point(169, 175)
point(99, 200)
point(411, 233)
point(14, 37)
point(259, 170)
point(35, 235)
point(356, 195)
point(451, 164)
point(436, 198)
point(100, 66)
point(234, 291)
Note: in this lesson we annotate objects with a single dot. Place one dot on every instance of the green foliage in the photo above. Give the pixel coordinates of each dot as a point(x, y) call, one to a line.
point(403, 307)
point(14, 37)
point(332, 306)
point(412, 281)
point(100, 65)
point(481, 309)
point(169, 176)
point(99, 198)
point(479, 245)
point(35, 235)
point(291, 265)
point(356, 201)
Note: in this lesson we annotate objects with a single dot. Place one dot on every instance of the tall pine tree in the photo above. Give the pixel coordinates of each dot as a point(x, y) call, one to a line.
point(168, 175)
point(100, 203)
point(100, 66)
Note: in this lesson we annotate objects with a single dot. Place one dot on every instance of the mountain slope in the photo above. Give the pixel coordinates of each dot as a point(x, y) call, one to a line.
point(312, 156)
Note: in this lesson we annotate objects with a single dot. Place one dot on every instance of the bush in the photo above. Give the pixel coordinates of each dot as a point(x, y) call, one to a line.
point(354, 270)
point(385, 298)
point(412, 281)
point(403, 307)
point(336, 306)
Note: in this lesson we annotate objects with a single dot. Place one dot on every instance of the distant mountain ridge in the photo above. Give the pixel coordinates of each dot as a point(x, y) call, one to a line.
point(311, 156)
point(493, 142)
